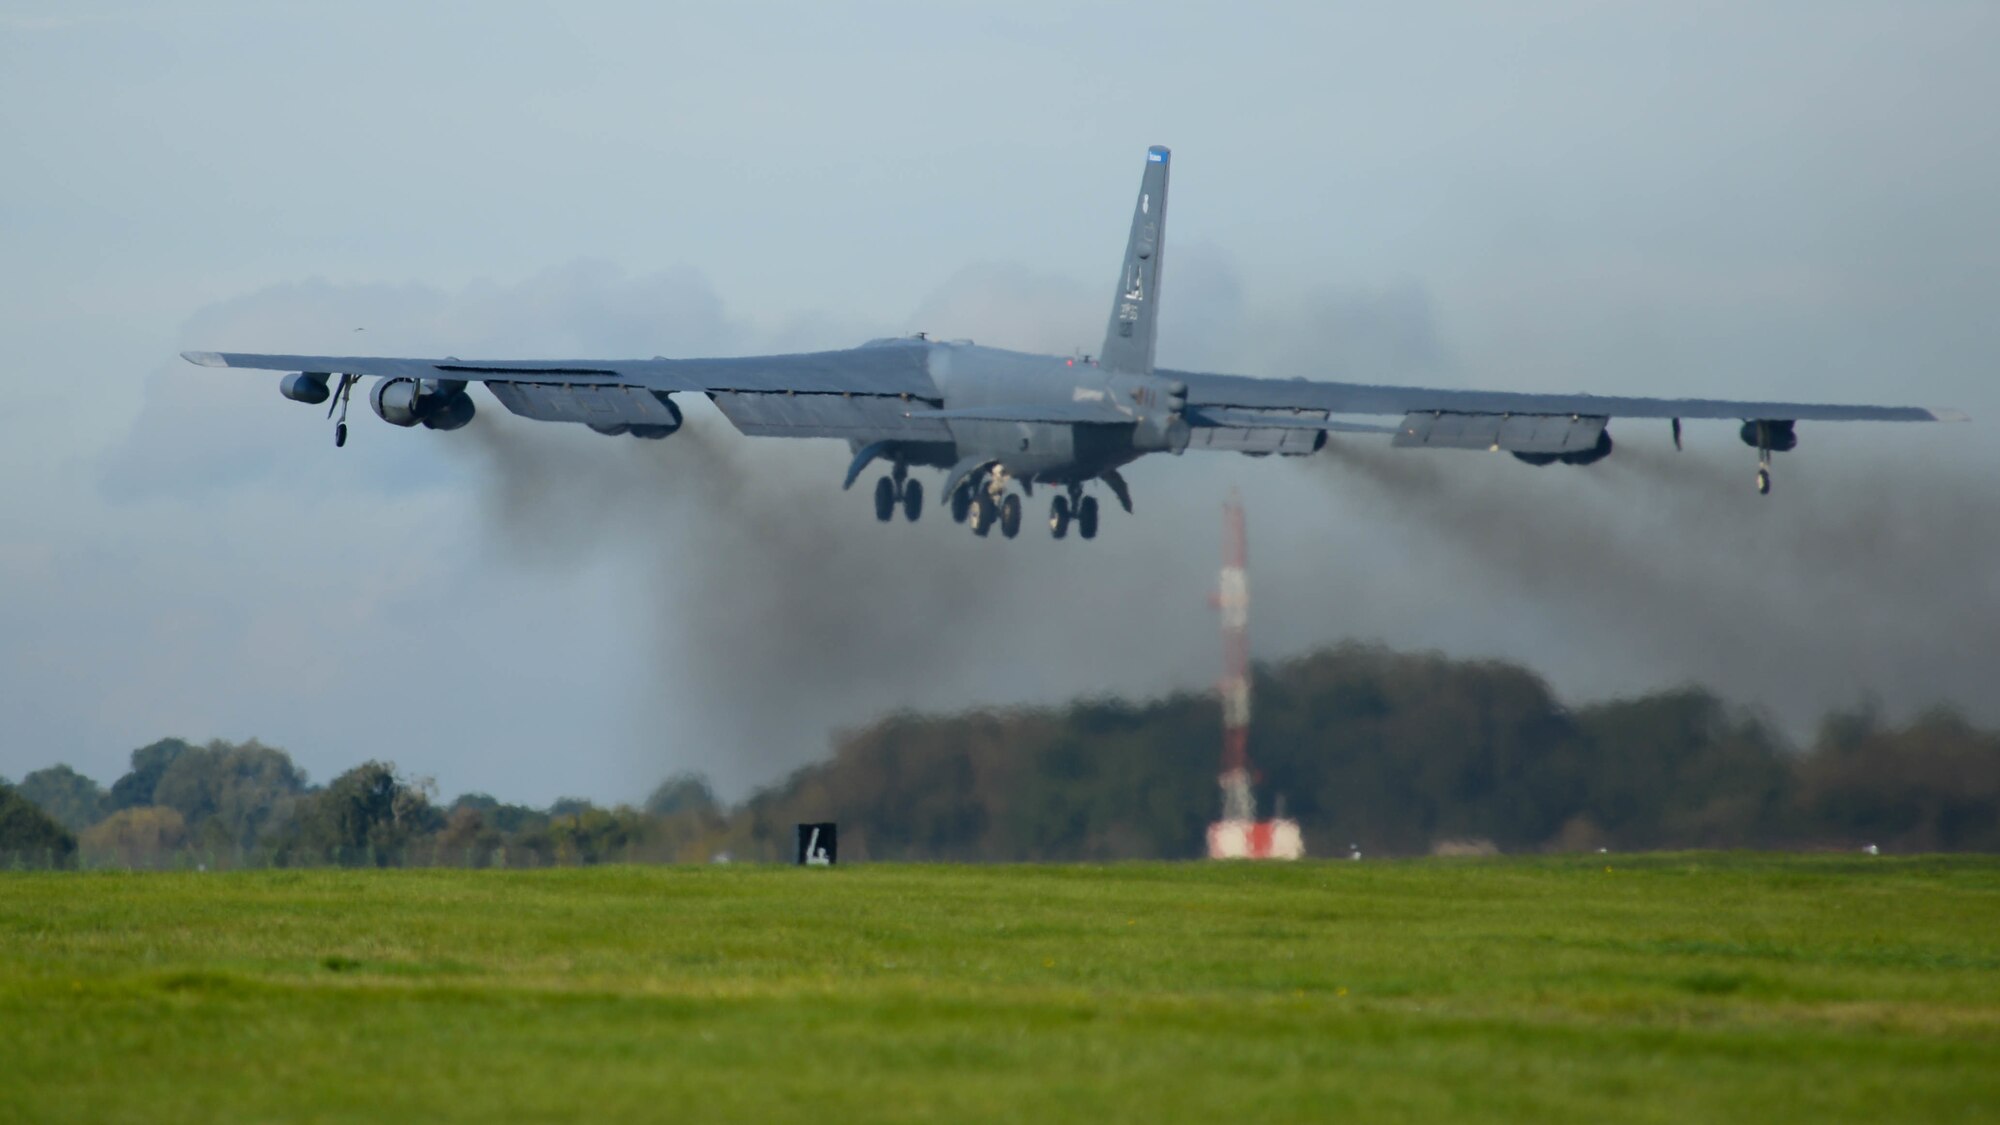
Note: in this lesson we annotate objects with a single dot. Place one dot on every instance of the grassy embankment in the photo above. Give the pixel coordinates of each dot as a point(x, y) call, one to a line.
point(1667, 988)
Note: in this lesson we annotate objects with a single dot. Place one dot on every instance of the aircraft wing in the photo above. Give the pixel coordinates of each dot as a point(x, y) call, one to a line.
point(864, 393)
point(1530, 423)
point(1245, 392)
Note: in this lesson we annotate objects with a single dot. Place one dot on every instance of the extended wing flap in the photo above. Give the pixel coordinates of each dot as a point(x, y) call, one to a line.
point(595, 405)
point(1067, 413)
point(1221, 417)
point(1515, 433)
point(861, 417)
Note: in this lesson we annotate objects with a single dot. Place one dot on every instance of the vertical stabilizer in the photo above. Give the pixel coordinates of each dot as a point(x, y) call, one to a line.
point(1135, 311)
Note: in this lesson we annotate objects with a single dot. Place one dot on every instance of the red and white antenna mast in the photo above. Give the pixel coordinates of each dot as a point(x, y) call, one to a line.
point(1232, 598)
point(1239, 834)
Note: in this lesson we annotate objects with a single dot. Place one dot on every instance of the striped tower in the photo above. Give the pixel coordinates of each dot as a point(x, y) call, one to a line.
point(1239, 834)
point(1232, 598)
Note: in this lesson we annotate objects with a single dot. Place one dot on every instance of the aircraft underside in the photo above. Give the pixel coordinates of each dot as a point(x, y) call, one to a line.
point(992, 489)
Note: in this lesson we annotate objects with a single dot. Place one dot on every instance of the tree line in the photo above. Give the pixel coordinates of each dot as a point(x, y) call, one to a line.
point(1396, 753)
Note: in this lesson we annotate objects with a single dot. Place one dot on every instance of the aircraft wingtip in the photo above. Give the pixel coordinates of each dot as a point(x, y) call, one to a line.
point(205, 359)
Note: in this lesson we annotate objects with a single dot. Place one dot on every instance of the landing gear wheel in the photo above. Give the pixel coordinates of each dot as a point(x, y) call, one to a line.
point(913, 499)
point(340, 435)
point(1010, 516)
point(1763, 482)
point(885, 499)
point(1059, 517)
point(961, 503)
point(1086, 517)
point(984, 515)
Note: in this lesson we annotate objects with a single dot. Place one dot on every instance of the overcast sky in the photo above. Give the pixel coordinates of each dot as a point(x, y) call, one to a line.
point(1773, 200)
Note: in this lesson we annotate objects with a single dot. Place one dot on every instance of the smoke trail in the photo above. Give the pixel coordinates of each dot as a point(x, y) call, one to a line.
point(1856, 580)
point(777, 608)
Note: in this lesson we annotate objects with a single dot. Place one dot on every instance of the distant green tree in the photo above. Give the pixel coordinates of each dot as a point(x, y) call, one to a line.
point(148, 764)
point(231, 795)
point(27, 834)
point(467, 840)
point(140, 837)
point(594, 835)
point(74, 800)
point(1404, 751)
point(1933, 785)
point(501, 816)
point(368, 814)
point(1683, 769)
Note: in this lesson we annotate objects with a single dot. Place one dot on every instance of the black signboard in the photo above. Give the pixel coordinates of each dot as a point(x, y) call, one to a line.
point(818, 845)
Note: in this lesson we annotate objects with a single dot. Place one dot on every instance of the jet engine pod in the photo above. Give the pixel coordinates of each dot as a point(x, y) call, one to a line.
point(651, 431)
point(452, 412)
point(307, 387)
point(1592, 455)
point(1778, 437)
point(399, 402)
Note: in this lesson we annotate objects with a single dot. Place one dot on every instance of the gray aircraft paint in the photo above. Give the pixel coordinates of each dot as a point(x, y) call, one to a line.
point(1070, 421)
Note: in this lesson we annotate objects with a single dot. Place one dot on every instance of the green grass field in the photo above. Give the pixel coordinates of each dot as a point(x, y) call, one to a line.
point(1604, 989)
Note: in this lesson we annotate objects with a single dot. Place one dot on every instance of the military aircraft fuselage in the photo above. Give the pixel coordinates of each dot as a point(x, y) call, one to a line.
point(1128, 415)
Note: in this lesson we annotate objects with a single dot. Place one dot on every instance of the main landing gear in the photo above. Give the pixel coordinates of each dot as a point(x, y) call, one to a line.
point(897, 490)
point(983, 502)
point(982, 513)
point(1074, 508)
point(341, 395)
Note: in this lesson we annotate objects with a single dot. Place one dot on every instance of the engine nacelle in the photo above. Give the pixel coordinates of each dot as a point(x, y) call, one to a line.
point(1778, 437)
point(440, 404)
point(452, 412)
point(1592, 455)
point(651, 431)
point(1589, 456)
point(307, 387)
point(399, 402)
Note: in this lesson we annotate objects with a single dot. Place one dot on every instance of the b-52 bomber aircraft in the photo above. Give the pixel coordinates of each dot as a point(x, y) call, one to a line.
point(1001, 422)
